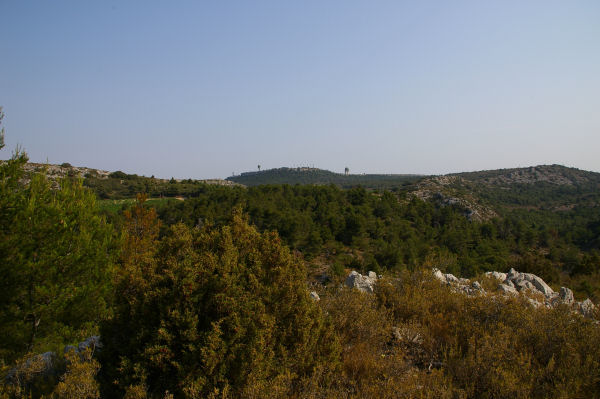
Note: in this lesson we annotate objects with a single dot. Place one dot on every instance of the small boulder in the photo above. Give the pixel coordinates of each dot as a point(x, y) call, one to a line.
point(439, 275)
point(566, 295)
point(586, 308)
point(314, 296)
point(360, 282)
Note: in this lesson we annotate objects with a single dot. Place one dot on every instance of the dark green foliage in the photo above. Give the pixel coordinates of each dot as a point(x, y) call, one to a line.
point(210, 309)
point(388, 232)
point(55, 262)
point(320, 176)
point(119, 185)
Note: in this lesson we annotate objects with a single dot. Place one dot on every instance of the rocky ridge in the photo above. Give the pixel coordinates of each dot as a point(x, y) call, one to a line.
point(534, 288)
point(537, 292)
point(56, 172)
point(552, 174)
point(445, 190)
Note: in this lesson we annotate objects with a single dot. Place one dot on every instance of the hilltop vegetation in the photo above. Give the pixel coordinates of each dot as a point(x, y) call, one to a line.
point(321, 177)
point(119, 185)
point(546, 187)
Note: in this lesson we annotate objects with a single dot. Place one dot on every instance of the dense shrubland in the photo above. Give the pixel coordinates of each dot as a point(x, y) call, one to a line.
point(208, 297)
point(385, 231)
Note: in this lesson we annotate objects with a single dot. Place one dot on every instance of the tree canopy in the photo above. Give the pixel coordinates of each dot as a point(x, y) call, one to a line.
point(56, 253)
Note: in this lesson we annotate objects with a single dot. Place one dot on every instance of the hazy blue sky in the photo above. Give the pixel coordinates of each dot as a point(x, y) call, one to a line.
point(202, 89)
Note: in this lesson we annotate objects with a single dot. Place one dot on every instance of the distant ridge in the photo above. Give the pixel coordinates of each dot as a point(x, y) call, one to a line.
point(501, 191)
point(305, 175)
point(553, 174)
point(483, 194)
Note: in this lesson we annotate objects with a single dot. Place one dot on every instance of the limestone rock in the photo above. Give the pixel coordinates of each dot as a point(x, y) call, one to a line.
point(514, 283)
point(439, 275)
point(586, 308)
point(450, 278)
point(539, 284)
point(522, 285)
point(529, 281)
point(507, 289)
point(360, 282)
point(496, 275)
point(566, 295)
point(512, 274)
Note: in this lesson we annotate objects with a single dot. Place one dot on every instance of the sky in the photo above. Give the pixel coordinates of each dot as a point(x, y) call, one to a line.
point(204, 89)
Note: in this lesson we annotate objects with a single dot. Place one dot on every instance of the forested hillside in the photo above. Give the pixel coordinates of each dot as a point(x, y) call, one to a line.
point(207, 295)
point(319, 176)
point(546, 187)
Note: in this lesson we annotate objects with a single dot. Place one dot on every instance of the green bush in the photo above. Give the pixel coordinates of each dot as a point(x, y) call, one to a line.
point(211, 311)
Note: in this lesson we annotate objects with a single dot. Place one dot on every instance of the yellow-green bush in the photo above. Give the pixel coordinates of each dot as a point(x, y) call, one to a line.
point(211, 310)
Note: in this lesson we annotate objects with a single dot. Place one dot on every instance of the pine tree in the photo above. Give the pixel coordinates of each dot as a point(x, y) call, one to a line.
point(55, 258)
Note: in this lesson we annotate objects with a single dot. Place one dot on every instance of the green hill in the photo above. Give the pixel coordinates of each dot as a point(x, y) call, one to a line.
point(320, 176)
point(545, 187)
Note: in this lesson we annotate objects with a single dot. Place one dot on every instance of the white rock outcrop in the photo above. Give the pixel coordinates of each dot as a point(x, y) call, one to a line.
point(515, 283)
point(360, 282)
point(459, 284)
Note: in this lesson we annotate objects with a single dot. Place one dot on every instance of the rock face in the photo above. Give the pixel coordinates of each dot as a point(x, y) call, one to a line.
point(515, 283)
point(360, 282)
